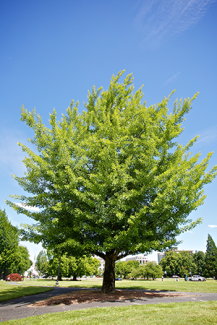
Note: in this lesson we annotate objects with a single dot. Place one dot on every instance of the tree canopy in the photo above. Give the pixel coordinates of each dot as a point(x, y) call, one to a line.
point(8, 243)
point(211, 258)
point(123, 268)
point(13, 258)
point(42, 262)
point(71, 266)
point(199, 260)
point(112, 180)
point(178, 264)
point(21, 261)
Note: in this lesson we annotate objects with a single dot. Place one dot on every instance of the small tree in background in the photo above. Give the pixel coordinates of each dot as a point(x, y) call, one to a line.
point(170, 263)
point(185, 264)
point(123, 268)
point(42, 262)
point(178, 263)
point(73, 267)
point(210, 258)
point(149, 270)
point(21, 262)
point(8, 245)
point(199, 260)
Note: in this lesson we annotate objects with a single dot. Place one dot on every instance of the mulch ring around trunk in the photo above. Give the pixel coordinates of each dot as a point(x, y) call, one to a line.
point(86, 296)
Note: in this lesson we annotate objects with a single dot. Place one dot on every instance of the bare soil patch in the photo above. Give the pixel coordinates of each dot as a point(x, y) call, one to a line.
point(87, 296)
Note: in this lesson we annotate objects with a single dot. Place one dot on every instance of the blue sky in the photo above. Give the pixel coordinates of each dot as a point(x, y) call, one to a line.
point(54, 51)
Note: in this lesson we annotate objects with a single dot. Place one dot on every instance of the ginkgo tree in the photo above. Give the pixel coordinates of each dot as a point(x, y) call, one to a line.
point(112, 180)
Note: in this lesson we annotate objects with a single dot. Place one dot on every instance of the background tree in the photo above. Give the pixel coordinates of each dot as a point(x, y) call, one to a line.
point(199, 260)
point(21, 262)
point(152, 270)
point(210, 258)
point(123, 268)
point(178, 264)
point(84, 266)
point(148, 270)
point(111, 181)
point(73, 267)
point(8, 244)
point(186, 264)
point(170, 263)
point(42, 262)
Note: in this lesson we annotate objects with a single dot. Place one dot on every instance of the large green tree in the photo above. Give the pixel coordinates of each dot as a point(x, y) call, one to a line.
point(211, 258)
point(111, 181)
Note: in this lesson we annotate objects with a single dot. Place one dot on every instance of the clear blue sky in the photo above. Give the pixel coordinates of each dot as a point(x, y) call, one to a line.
point(54, 51)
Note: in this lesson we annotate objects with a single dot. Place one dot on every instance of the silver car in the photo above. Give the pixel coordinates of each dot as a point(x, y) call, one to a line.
point(197, 278)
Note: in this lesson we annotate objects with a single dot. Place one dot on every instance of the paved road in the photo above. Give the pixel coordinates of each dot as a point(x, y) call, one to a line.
point(17, 308)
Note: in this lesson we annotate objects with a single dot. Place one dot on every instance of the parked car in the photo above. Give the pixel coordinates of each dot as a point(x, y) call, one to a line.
point(197, 278)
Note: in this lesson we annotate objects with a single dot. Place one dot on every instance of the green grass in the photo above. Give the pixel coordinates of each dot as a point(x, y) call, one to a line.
point(173, 313)
point(11, 291)
point(167, 284)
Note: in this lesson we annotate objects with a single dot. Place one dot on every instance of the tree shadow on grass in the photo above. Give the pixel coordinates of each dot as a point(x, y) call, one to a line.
point(21, 292)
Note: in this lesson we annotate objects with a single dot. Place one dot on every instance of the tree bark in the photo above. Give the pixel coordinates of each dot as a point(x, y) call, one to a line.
point(6, 273)
point(109, 275)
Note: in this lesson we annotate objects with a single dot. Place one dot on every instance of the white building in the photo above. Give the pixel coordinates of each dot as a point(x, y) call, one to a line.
point(160, 256)
point(141, 258)
point(102, 263)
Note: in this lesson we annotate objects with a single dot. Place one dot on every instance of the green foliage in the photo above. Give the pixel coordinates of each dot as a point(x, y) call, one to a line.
point(178, 264)
point(42, 262)
point(111, 181)
point(21, 262)
point(13, 258)
point(73, 267)
point(211, 258)
point(199, 260)
point(186, 264)
point(123, 268)
point(148, 270)
point(8, 243)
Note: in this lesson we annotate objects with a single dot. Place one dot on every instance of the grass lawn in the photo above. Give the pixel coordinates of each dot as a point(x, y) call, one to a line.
point(173, 313)
point(167, 284)
point(10, 291)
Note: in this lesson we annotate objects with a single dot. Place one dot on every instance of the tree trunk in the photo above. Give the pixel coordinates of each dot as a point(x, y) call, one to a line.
point(74, 278)
point(109, 275)
point(6, 273)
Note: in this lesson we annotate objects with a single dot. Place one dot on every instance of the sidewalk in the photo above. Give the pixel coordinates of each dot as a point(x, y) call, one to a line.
point(17, 308)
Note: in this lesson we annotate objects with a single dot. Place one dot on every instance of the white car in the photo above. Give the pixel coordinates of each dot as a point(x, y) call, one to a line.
point(197, 278)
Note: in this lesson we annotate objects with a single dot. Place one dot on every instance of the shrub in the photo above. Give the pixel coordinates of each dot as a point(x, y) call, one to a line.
point(14, 277)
